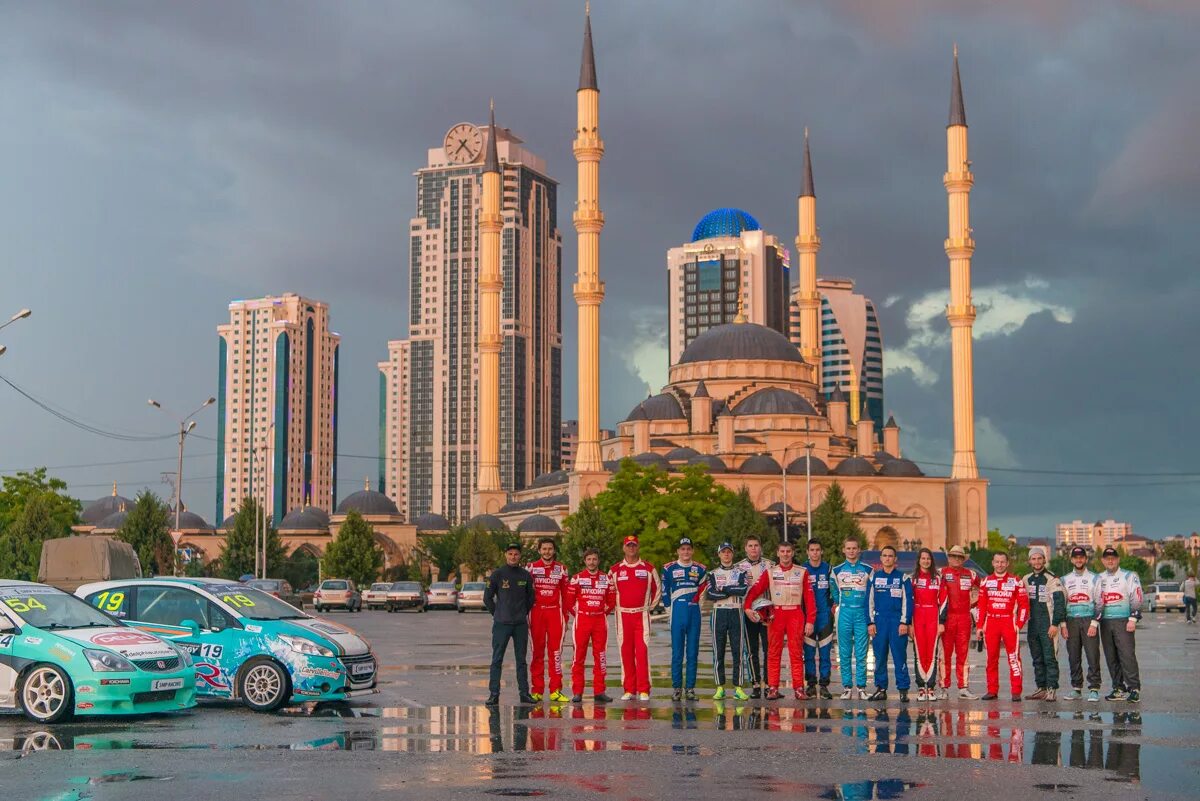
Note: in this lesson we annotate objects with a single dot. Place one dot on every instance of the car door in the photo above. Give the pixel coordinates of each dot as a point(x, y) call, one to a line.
point(162, 610)
point(8, 668)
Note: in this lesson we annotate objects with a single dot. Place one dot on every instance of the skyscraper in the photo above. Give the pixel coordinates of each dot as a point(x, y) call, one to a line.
point(429, 422)
point(730, 262)
point(277, 405)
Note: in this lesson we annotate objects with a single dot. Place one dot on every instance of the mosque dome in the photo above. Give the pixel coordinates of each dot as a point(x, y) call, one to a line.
point(538, 524)
point(431, 521)
point(367, 503)
point(854, 466)
point(714, 463)
point(740, 341)
point(652, 459)
point(761, 464)
point(901, 468)
point(797, 467)
point(113, 522)
point(774, 400)
point(486, 522)
point(550, 479)
point(190, 521)
point(307, 518)
point(724, 222)
point(96, 511)
point(664, 406)
point(682, 454)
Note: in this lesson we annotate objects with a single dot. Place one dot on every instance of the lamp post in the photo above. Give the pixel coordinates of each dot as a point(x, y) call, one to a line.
point(21, 315)
point(185, 427)
point(808, 447)
point(261, 516)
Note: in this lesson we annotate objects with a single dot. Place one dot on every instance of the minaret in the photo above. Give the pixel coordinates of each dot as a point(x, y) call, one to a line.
point(960, 312)
point(589, 220)
point(490, 283)
point(808, 243)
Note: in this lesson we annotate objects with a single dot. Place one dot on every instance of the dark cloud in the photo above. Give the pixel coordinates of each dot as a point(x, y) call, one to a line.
point(161, 159)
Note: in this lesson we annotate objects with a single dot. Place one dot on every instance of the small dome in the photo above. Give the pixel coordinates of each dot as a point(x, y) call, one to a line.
point(876, 509)
point(306, 518)
point(777, 508)
point(487, 522)
point(97, 511)
point(663, 406)
point(797, 467)
point(901, 468)
point(113, 522)
point(740, 341)
point(612, 465)
point(649, 458)
point(774, 400)
point(714, 463)
point(538, 524)
point(882, 456)
point(760, 465)
point(228, 522)
point(724, 222)
point(682, 454)
point(190, 521)
point(854, 466)
point(368, 503)
point(550, 479)
point(431, 521)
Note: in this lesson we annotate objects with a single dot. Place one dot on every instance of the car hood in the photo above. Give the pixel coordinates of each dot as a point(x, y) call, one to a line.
point(128, 642)
point(343, 641)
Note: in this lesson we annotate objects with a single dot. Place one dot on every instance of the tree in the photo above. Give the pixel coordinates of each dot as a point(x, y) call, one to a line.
point(742, 520)
point(1136, 564)
point(477, 552)
point(1060, 566)
point(237, 557)
point(302, 568)
point(833, 524)
point(586, 529)
point(440, 551)
point(354, 554)
point(1166, 571)
point(33, 509)
point(147, 529)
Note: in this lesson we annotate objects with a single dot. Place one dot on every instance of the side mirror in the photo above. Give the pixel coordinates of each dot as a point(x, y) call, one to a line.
point(192, 626)
point(6, 624)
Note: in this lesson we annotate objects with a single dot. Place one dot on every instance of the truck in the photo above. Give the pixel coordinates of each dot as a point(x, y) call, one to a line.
point(70, 562)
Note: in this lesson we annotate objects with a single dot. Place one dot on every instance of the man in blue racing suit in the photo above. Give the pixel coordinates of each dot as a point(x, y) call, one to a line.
point(681, 581)
point(817, 647)
point(889, 614)
point(850, 587)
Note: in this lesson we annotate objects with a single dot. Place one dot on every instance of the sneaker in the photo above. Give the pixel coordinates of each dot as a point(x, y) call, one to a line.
point(1116, 695)
point(602, 698)
point(823, 692)
point(1051, 695)
point(1037, 696)
point(492, 700)
point(527, 698)
point(643, 696)
point(535, 696)
point(847, 694)
point(719, 694)
point(904, 696)
point(944, 695)
point(756, 692)
point(576, 699)
point(1093, 696)
point(740, 694)
point(1074, 694)
point(690, 695)
point(880, 694)
point(677, 694)
point(861, 693)
point(810, 690)
point(773, 694)
point(627, 697)
point(1016, 698)
point(801, 695)
point(557, 697)
point(1134, 697)
point(990, 697)
point(967, 695)
point(921, 695)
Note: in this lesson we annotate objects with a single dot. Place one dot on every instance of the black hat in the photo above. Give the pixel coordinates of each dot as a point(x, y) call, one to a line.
point(1079, 550)
point(512, 546)
point(1110, 551)
point(684, 541)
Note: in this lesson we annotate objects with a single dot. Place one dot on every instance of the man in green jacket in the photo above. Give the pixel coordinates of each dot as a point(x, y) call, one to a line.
point(1047, 611)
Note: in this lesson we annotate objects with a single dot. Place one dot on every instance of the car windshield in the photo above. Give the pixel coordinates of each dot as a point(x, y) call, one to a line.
point(270, 585)
point(257, 605)
point(474, 586)
point(380, 587)
point(406, 586)
point(334, 585)
point(49, 608)
point(441, 585)
point(1168, 588)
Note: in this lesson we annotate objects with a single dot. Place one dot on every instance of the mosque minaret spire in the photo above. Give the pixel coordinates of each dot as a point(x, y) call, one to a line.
point(808, 244)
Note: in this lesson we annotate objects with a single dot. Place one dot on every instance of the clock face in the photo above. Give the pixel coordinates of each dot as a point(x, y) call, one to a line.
point(464, 143)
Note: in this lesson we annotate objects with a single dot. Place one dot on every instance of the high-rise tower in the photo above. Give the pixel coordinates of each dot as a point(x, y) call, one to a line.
point(961, 313)
point(589, 221)
point(808, 244)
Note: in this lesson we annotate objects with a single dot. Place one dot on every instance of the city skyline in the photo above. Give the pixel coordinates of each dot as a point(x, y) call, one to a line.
point(1033, 408)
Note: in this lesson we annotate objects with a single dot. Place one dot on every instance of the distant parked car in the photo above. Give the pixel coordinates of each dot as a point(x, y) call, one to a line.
point(306, 594)
point(471, 596)
point(441, 595)
point(280, 588)
point(337, 594)
point(376, 597)
point(1164, 596)
point(406, 595)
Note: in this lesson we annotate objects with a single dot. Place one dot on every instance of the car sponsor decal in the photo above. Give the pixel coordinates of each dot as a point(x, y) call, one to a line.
point(84, 689)
point(113, 682)
point(5, 640)
point(84, 705)
point(322, 672)
point(326, 628)
point(32, 641)
point(125, 637)
point(207, 674)
point(66, 654)
point(166, 684)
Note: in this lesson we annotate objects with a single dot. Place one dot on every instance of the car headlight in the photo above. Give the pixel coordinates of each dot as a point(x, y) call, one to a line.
point(107, 661)
point(185, 658)
point(302, 646)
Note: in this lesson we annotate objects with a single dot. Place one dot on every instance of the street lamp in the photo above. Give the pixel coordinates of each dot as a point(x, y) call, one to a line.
point(185, 427)
point(21, 315)
point(3, 349)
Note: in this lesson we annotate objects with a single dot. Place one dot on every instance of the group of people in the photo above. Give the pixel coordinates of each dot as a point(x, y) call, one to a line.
point(759, 606)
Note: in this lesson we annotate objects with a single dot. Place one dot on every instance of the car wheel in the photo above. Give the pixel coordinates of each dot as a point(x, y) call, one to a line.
point(263, 685)
point(46, 694)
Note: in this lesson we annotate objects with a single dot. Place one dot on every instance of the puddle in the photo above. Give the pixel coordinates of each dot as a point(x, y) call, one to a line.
point(861, 791)
point(1056, 788)
point(117, 777)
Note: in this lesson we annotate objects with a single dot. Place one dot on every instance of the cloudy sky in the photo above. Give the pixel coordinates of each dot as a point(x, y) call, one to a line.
point(160, 159)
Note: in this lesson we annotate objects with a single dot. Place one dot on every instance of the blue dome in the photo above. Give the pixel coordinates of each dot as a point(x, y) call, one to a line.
point(724, 222)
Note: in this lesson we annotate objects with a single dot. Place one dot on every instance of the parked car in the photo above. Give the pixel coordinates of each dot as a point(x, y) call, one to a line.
point(280, 588)
point(306, 595)
point(247, 645)
point(376, 596)
point(471, 596)
point(1165, 596)
point(405, 595)
point(337, 594)
point(60, 657)
point(441, 595)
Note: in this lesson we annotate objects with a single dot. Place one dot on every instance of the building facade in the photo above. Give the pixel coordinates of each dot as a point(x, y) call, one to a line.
point(429, 422)
point(851, 347)
point(1097, 536)
point(731, 265)
point(277, 405)
point(570, 442)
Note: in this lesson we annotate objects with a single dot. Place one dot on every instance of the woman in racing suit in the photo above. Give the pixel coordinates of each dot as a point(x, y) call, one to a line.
point(929, 619)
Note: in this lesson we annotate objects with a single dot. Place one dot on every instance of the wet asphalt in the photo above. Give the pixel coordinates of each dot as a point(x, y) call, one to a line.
point(427, 735)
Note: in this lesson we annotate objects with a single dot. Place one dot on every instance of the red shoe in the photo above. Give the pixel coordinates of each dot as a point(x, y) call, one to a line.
point(801, 695)
point(773, 694)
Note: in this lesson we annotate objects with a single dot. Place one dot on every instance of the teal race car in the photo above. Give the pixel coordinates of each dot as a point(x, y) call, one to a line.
point(60, 657)
point(247, 645)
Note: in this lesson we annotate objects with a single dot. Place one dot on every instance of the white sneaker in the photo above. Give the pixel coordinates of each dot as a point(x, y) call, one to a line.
point(862, 693)
point(944, 694)
point(627, 697)
point(643, 696)
point(967, 695)
point(921, 696)
point(848, 694)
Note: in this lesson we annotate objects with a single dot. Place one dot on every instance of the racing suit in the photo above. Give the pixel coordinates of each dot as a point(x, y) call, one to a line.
point(1082, 598)
point(756, 632)
point(547, 622)
point(590, 597)
point(817, 647)
point(794, 607)
point(958, 582)
point(851, 582)
point(1120, 599)
point(929, 611)
point(1003, 610)
point(638, 591)
point(726, 587)
point(681, 594)
point(890, 606)
point(1047, 607)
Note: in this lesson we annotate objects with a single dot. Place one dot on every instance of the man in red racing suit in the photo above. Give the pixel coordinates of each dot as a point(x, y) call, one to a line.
point(638, 591)
point(961, 584)
point(591, 596)
point(1003, 610)
point(793, 617)
point(547, 620)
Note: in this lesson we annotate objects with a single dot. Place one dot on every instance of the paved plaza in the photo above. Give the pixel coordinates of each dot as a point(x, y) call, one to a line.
point(427, 735)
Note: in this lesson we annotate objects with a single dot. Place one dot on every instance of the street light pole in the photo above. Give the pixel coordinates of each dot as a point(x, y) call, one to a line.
point(786, 533)
point(185, 427)
point(808, 447)
point(21, 315)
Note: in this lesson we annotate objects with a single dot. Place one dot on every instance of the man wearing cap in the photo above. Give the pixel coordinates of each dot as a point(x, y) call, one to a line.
point(817, 647)
point(754, 565)
point(793, 615)
point(726, 586)
point(638, 591)
point(962, 589)
point(590, 598)
point(681, 581)
point(1081, 627)
point(548, 620)
point(1047, 612)
point(509, 597)
point(1118, 610)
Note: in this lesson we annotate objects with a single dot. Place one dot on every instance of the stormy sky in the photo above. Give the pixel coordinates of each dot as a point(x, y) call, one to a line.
point(160, 159)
